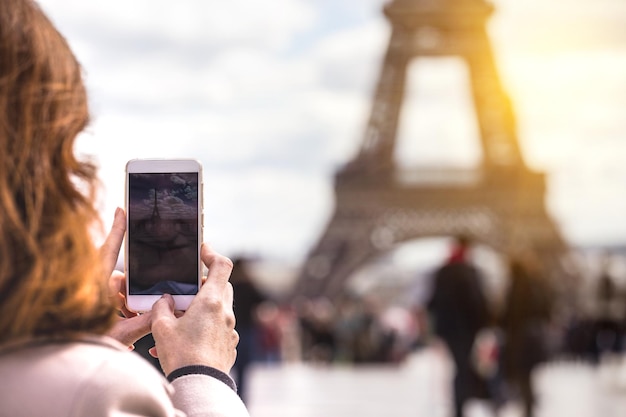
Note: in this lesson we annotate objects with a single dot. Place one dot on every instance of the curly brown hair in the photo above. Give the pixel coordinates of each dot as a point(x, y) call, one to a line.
point(51, 279)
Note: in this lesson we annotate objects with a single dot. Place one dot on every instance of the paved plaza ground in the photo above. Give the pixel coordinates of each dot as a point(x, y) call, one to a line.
point(420, 387)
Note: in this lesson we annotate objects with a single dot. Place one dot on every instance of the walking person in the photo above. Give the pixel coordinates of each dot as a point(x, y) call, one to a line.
point(458, 310)
point(527, 313)
point(248, 298)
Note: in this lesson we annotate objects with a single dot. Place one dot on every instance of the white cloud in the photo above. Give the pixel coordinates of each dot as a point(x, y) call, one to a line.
point(215, 22)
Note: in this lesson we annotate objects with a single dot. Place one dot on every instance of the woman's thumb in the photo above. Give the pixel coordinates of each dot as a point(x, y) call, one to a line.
point(163, 308)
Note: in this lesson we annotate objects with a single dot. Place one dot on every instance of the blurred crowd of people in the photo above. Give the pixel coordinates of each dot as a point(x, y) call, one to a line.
point(356, 330)
point(494, 350)
point(600, 329)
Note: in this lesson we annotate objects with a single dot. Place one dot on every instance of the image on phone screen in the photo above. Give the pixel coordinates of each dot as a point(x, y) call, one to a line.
point(163, 233)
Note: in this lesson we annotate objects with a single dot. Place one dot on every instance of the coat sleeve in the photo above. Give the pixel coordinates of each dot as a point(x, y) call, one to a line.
point(124, 385)
point(205, 396)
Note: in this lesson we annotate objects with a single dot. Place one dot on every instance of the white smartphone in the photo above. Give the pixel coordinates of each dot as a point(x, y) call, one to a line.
point(164, 215)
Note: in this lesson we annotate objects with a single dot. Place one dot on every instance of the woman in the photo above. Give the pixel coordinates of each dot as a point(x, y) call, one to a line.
point(527, 313)
point(59, 313)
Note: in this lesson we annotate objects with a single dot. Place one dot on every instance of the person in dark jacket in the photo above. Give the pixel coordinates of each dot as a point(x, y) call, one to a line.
point(458, 310)
point(527, 311)
point(247, 299)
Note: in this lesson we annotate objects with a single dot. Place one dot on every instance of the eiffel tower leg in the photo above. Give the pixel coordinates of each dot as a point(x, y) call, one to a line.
point(344, 246)
point(493, 108)
point(376, 153)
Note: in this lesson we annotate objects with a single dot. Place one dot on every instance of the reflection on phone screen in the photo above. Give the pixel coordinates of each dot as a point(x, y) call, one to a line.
point(163, 233)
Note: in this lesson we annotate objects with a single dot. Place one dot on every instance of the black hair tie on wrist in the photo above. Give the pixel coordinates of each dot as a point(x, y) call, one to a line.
point(203, 370)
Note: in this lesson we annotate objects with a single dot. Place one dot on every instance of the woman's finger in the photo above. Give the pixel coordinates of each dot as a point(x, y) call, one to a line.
point(110, 250)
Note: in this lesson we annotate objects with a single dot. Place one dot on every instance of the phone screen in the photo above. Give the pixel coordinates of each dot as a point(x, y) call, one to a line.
point(163, 233)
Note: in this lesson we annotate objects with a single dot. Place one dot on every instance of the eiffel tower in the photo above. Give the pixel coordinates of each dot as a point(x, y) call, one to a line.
point(156, 216)
point(502, 203)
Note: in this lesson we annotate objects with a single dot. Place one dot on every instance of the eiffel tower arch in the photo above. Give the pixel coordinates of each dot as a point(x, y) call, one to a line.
point(500, 203)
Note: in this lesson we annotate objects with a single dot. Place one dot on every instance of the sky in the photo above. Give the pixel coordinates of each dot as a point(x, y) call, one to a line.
point(272, 96)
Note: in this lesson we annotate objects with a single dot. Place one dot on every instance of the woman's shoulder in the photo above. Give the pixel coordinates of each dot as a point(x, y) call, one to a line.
point(86, 354)
point(91, 374)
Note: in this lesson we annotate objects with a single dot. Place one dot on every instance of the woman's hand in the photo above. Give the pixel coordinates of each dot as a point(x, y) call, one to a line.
point(131, 326)
point(205, 334)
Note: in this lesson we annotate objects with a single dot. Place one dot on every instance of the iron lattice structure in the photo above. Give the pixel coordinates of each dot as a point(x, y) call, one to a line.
point(499, 204)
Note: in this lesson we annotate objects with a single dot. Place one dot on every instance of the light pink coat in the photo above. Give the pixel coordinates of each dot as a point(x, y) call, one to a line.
point(98, 377)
